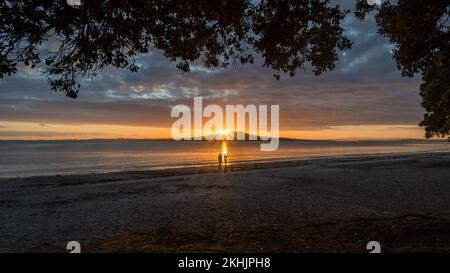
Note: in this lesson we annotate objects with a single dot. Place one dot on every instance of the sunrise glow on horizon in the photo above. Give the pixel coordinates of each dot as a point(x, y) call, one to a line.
point(40, 131)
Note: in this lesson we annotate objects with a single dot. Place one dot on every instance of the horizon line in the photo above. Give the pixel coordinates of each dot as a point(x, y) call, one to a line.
point(280, 138)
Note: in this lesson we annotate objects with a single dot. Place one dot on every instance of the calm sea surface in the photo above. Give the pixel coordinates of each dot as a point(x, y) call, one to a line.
point(18, 158)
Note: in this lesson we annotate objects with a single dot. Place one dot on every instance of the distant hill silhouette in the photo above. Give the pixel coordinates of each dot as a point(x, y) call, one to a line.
point(248, 137)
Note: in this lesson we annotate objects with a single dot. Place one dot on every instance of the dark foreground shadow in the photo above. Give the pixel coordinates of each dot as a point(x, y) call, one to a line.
point(409, 233)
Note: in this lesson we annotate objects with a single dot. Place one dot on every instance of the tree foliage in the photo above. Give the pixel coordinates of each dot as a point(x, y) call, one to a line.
point(419, 31)
point(435, 92)
point(83, 40)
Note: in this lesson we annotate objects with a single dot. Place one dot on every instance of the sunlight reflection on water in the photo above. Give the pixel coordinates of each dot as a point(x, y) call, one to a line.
point(46, 157)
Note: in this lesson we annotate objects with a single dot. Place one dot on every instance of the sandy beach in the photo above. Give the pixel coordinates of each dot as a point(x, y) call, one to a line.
point(310, 205)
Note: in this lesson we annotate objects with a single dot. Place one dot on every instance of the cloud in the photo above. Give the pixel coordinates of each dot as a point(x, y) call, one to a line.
point(366, 88)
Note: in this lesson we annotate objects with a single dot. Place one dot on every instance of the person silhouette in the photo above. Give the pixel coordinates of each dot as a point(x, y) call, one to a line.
point(220, 158)
point(225, 158)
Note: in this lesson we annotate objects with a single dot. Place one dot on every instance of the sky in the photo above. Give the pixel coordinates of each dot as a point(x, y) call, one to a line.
point(365, 97)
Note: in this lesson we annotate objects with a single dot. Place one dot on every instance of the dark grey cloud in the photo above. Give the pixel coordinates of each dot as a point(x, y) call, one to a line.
point(366, 88)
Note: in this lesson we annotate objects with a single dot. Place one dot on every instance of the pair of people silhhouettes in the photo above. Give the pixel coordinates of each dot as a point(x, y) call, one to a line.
point(223, 158)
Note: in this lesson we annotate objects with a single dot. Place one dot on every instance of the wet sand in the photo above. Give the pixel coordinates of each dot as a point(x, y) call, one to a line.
point(316, 205)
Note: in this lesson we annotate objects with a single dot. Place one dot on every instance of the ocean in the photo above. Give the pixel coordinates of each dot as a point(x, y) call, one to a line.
point(32, 158)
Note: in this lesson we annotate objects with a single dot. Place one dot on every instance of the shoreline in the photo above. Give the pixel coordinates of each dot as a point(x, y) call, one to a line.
point(271, 163)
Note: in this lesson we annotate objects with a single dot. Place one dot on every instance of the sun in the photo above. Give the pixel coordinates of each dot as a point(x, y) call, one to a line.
point(223, 132)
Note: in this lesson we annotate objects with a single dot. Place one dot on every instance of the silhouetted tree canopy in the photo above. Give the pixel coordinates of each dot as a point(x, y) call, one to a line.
point(85, 39)
point(435, 92)
point(419, 30)
point(68, 43)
